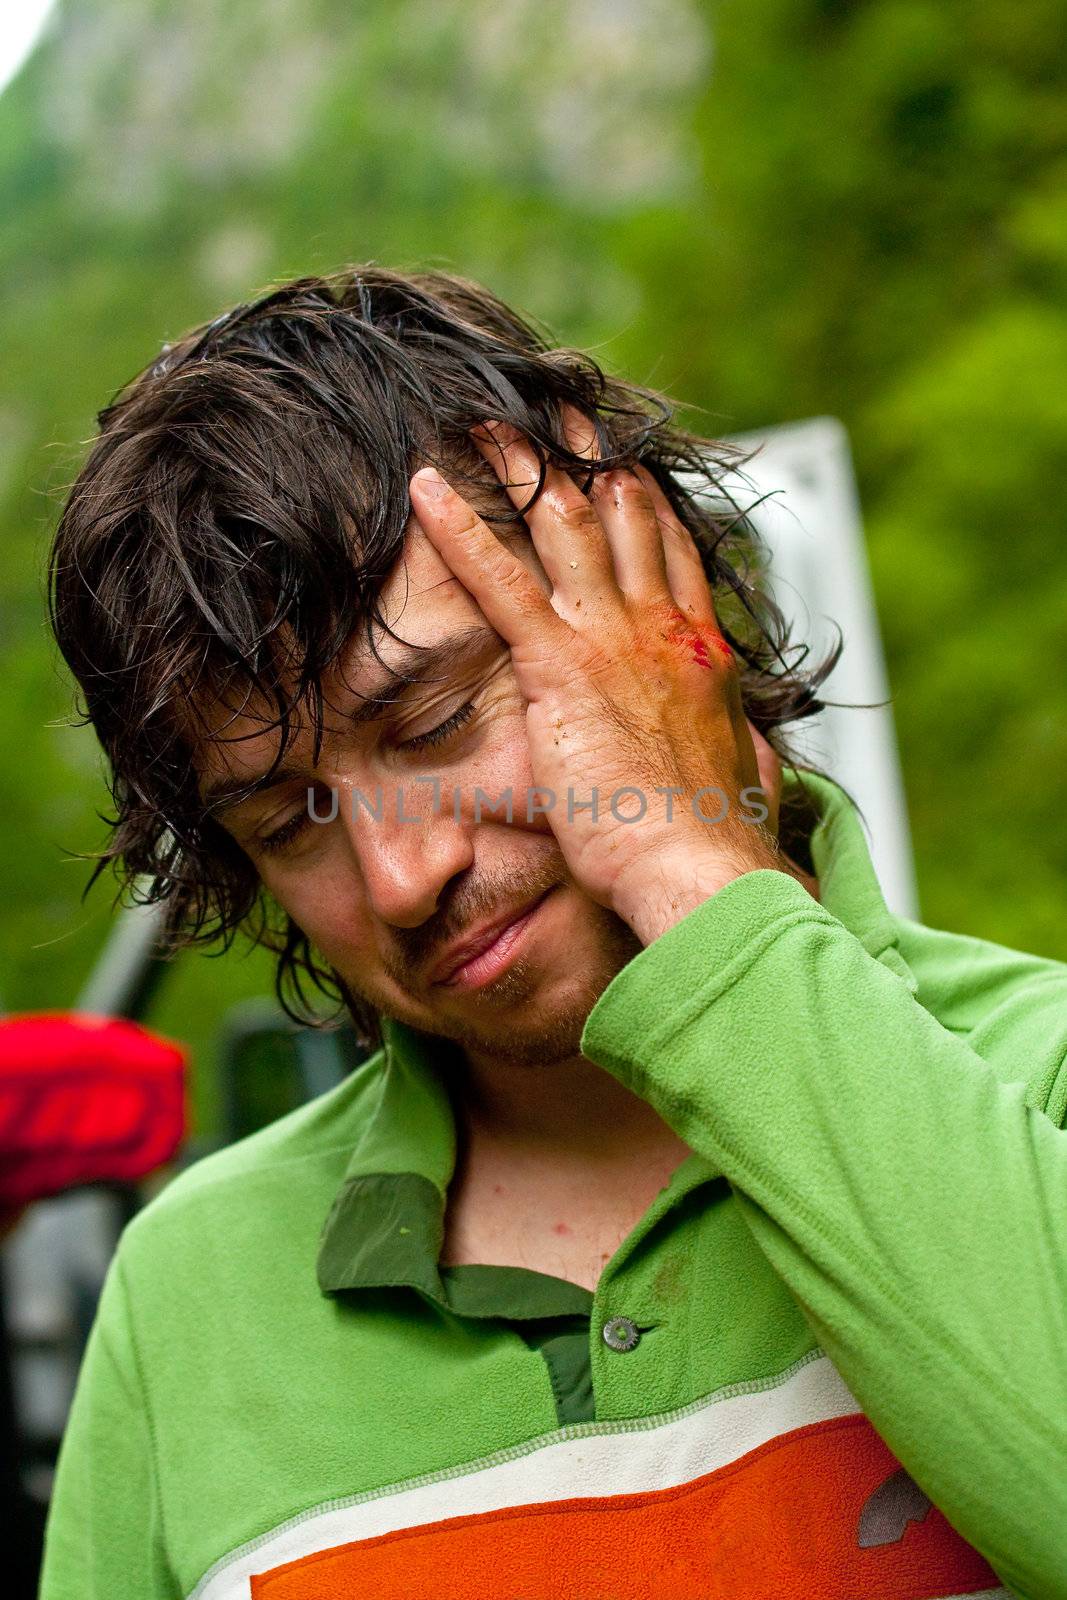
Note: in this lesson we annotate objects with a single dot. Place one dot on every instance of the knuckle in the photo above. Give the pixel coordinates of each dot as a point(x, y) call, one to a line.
point(580, 513)
point(507, 575)
point(467, 523)
point(584, 523)
point(628, 485)
point(514, 583)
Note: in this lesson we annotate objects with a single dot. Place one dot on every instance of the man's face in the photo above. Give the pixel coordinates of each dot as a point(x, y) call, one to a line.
point(389, 903)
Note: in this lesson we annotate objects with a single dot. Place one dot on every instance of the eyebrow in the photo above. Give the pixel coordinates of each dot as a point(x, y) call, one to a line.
point(415, 664)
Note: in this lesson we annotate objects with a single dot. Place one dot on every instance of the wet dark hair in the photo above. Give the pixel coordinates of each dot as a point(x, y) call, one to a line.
point(244, 502)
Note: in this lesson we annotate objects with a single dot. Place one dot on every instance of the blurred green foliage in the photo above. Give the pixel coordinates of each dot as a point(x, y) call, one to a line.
point(772, 208)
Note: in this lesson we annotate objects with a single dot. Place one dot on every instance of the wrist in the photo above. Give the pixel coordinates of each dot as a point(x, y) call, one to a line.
point(669, 887)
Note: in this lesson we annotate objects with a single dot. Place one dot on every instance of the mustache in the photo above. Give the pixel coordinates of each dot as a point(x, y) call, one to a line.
point(468, 903)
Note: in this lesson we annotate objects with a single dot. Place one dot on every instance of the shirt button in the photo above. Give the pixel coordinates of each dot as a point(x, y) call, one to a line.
point(619, 1333)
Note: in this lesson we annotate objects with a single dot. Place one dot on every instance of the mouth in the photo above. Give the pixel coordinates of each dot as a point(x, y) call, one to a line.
point(483, 955)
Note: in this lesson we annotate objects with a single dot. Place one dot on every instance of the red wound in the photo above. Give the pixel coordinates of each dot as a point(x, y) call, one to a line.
point(684, 633)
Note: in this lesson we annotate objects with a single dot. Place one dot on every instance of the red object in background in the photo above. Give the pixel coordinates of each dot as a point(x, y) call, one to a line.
point(84, 1100)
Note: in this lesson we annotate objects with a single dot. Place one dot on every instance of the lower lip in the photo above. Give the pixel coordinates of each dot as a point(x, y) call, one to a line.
point(489, 964)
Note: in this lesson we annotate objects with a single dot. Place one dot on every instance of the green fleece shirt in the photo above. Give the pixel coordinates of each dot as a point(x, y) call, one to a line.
point(829, 1363)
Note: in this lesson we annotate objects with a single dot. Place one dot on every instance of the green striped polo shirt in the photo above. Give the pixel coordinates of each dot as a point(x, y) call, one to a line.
point(827, 1361)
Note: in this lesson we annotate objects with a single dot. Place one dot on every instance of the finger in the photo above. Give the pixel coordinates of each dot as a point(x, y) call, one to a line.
point(580, 433)
point(629, 520)
point(564, 526)
point(686, 577)
point(636, 543)
point(509, 595)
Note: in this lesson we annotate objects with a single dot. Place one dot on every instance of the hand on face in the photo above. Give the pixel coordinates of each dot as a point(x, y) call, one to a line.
point(632, 692)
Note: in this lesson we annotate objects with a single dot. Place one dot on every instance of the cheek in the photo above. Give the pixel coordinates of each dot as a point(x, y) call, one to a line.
point(323, 895)
point(500, 762)
point(341, 926)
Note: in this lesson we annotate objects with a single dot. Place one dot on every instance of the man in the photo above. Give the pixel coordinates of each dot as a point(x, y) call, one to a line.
point(696, 1230)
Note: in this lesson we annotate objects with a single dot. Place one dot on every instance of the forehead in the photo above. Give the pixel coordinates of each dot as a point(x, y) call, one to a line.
point(421, 602)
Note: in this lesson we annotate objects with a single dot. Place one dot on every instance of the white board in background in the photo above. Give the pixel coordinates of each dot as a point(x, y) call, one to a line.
point(813, 530)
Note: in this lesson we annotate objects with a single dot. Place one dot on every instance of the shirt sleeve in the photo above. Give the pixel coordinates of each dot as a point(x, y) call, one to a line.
point(908, 1191)
point(104, 1536)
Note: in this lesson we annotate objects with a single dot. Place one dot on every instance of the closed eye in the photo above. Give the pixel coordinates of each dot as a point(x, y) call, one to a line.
point(295, 825)
point(423, 741)
point(288, 831)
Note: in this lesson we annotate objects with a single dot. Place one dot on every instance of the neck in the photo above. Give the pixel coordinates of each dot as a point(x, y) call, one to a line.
point(565, 1108)
point(555, 1165)
point(570, 1108)
point(556, 1162)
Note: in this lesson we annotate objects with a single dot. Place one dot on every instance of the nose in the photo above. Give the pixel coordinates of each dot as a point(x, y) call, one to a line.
point(407, 851)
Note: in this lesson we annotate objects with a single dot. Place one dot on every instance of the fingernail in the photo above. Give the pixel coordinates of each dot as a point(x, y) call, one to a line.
point(431, 483)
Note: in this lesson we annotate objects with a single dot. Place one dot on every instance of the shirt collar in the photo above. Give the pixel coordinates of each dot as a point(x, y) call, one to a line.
point(386, 1225)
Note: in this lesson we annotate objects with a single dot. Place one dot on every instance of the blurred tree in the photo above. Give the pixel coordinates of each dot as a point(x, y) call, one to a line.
point(889, 243)
point(773, 208)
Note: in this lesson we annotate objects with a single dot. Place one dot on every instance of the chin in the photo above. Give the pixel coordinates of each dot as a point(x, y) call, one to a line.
point(535, 1012)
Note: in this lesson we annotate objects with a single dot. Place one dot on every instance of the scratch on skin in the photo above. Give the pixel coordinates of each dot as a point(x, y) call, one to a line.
point(684, 632)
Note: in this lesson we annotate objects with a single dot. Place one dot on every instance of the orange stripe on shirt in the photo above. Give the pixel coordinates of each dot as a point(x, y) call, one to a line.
point(781, 1523)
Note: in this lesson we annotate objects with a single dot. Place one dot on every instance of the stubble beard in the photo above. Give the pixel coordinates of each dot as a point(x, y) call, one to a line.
point(515, 1035)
